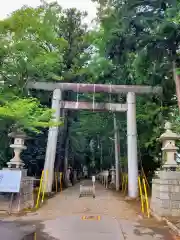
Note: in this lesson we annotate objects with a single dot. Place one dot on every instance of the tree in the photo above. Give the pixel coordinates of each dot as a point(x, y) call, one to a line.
point(45, 43)
point(141, 40)
point(33, 50)
point(30, 49)
point(27, 114)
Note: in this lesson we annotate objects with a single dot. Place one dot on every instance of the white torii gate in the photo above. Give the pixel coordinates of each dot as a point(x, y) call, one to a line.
point(129, 107)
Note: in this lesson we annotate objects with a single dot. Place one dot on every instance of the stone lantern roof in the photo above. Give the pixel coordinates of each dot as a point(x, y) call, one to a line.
point(19, 134)
point(112, 168)
point(169, 135)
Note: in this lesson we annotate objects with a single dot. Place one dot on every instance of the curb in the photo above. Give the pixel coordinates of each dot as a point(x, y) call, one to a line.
point(157, 217)
point(172, 226)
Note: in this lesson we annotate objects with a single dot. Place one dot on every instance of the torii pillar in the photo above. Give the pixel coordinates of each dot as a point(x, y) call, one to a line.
point(52, 142)
point(132, 146)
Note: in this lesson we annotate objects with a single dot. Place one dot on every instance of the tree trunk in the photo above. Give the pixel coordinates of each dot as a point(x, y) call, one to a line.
point(66, 159)
point(176, 77)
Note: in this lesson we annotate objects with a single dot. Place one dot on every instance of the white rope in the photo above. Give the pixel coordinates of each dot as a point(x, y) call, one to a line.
point(94, 97)
point(77, 99)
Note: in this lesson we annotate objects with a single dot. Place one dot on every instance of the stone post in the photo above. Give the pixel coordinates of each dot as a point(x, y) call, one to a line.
point(132, 146)
point(68, 172)
point(165, 199)
point(52, 141)
point(113, 176)
point(85, 171)
point(75, 176)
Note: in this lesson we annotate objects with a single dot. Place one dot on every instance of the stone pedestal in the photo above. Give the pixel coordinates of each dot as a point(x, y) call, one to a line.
point(165, 199)
point(26, 196)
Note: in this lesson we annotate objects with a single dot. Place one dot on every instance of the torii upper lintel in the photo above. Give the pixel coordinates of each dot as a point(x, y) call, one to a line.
point(95, 88)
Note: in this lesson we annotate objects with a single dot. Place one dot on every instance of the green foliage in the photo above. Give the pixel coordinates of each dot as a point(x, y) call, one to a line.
point(27, 114)
point(45, 43)
point(31, 46)
point(141, 41)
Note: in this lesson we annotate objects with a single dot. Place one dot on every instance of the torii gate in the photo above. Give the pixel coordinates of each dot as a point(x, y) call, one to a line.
point(129, 107)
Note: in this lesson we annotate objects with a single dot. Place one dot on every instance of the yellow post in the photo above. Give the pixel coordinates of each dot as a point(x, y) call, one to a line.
point(126, 183)
point(123, 181)
point(40, 188)
point(145, 178)
point(61, 181)
point(56, 181)
point(146, 198)
point(45, 184)
point(141, 194)
point(35, 236)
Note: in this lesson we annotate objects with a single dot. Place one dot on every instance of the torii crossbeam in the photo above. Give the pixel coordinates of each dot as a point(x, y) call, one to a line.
point(94, 88)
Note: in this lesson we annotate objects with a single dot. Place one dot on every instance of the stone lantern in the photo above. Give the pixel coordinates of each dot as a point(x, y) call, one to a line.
point(68, 172)
point(165, 199)
point(113, 175)
point(18, 146)
point(169, 149)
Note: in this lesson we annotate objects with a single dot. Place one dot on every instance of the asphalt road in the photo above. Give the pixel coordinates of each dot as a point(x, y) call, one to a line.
point(15, 231)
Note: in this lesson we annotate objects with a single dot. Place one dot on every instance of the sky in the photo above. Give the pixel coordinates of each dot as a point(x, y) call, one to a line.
point(9, 6)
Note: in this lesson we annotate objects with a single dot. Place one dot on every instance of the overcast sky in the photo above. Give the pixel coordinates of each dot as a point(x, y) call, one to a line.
point(8, 6)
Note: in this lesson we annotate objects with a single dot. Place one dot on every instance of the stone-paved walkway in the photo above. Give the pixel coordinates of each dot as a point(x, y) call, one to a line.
point(61, 218)
point(69, 203)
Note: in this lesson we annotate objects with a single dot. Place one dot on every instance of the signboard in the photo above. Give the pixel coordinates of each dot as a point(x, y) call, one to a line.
point(10, 181)
point(93, 179)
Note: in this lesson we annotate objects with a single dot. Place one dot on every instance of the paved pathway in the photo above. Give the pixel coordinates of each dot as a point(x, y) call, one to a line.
point(69, 203)
point(113, 218)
